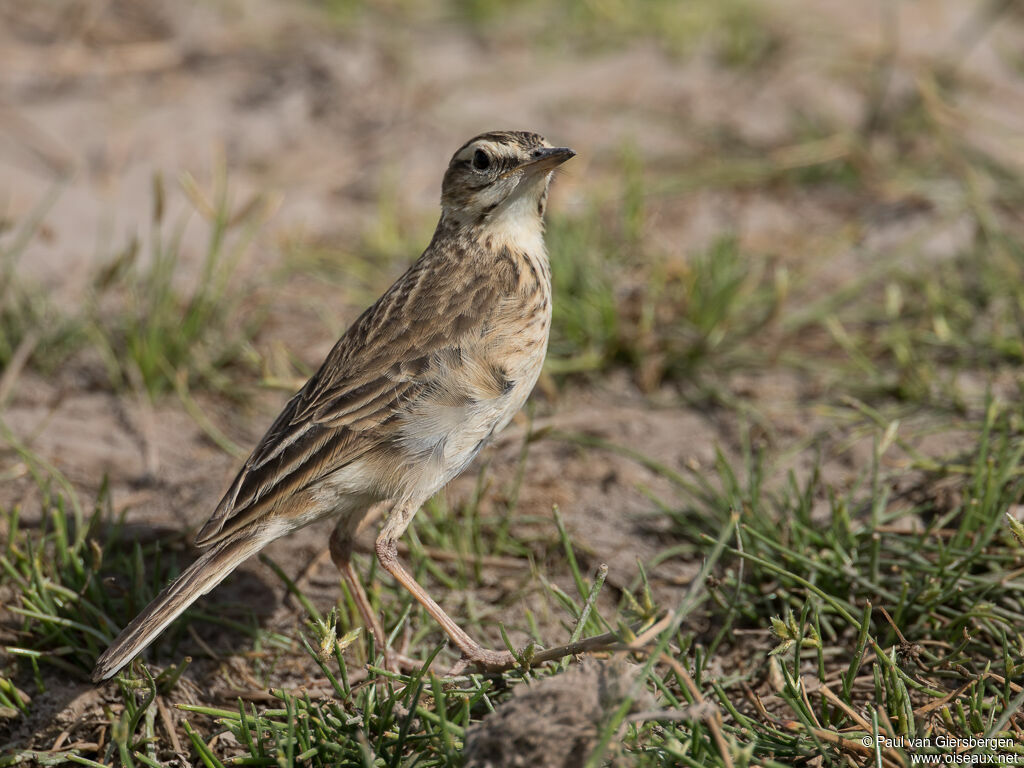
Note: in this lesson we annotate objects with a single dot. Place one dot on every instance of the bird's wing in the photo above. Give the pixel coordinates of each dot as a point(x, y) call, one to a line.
point(374, 371)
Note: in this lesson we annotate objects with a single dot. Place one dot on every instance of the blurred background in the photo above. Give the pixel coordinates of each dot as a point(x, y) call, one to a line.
point(811, 142)
point(789, 250)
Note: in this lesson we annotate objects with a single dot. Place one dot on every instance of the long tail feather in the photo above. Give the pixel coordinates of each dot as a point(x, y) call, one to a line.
point(198, 579)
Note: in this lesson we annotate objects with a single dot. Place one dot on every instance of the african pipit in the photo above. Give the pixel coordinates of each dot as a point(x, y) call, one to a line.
point(406, 398)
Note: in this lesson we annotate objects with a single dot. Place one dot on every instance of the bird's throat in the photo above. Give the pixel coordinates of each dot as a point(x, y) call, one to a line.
point(516, 225)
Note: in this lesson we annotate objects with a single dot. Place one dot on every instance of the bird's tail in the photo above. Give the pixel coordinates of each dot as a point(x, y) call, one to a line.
point(198, 579)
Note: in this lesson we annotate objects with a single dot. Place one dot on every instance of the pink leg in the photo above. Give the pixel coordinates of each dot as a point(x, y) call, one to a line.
point(387, 554)
point(341, 554)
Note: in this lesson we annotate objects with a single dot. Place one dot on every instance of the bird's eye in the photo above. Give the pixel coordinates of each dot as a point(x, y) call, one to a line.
point(481, 160)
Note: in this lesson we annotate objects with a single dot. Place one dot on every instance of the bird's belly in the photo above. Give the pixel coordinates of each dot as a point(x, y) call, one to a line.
point(439, 441)
point(442, 432)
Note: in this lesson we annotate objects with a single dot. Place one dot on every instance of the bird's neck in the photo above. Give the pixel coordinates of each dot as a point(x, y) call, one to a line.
point(516, 226)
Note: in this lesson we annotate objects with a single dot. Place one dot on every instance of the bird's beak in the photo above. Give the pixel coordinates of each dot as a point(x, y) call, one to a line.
point(546, 158)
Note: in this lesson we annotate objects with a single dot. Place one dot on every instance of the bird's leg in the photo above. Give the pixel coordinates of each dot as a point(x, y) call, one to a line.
point(387, 554)
point(345, 535)
point(341, 553)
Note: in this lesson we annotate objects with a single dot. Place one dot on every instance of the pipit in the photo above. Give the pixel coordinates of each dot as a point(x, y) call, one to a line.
point(405, 399)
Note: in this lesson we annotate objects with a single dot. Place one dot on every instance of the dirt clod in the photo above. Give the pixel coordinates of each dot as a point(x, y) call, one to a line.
point(555, 722)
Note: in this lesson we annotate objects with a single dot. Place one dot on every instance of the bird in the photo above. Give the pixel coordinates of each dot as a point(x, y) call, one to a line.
point(405, 399)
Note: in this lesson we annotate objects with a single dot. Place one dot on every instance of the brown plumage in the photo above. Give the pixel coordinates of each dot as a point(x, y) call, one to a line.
point(407, 396)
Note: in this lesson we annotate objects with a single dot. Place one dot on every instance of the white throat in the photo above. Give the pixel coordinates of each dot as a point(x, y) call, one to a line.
point(516, 224)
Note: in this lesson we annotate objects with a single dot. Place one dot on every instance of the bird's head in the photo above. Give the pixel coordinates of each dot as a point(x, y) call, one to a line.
point(500, 179)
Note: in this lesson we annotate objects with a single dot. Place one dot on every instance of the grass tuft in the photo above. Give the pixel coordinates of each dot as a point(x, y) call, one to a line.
point(33, 329)
point(923, 600)
point(160, 331)
point(616, 306)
